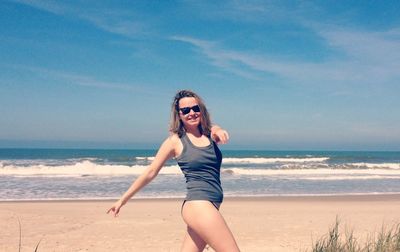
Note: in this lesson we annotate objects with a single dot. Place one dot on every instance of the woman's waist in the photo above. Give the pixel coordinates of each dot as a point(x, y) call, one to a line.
point(200, 184)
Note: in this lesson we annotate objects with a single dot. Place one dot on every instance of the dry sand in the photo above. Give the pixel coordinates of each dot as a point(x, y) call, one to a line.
point(259, 224)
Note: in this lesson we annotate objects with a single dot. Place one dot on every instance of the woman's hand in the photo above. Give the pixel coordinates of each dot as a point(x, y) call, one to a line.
point(219, 135)
point(116, 207)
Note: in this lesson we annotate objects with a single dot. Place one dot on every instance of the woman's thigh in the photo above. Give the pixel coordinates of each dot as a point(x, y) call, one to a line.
point(204, 219)
point(192, 242)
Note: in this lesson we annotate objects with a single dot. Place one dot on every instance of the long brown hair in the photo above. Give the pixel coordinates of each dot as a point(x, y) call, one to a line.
point(176, 125)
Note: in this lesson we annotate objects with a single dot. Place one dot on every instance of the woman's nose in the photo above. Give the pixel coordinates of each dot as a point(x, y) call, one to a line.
point(191, 112)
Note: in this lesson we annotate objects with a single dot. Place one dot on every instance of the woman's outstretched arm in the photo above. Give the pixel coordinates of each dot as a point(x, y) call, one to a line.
point(165, 152)
point(219, 135)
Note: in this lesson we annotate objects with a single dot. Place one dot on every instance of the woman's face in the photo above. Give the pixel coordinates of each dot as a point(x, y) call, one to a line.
point(189, 105)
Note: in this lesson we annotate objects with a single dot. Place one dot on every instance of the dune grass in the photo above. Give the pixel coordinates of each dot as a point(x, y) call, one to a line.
point(387, 240)
point(20, 239)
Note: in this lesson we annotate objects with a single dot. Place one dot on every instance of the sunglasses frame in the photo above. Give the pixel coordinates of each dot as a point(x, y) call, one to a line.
point(195, 108)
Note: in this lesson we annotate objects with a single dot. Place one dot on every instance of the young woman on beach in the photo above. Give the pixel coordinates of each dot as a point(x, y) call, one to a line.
point(193, 144)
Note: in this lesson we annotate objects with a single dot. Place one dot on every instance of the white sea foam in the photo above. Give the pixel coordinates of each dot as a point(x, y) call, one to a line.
point(381, 165)
point(88, 168)
point(145, 158)
point(86, 198)
point(347, 177)
point(84, 168)
point(228, 194)
point(304, 172)
point(310, 195)
point(50, 162)
point(258, 160)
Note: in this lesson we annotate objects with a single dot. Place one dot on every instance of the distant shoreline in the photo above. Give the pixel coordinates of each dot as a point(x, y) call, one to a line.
point(225, 148)
point(343, 197)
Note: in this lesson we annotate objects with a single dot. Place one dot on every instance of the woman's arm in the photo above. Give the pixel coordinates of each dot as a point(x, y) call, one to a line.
point(219, 135)
point(165, 152)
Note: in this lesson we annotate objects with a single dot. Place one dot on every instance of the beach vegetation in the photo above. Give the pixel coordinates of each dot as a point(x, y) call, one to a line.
point(387, 240)
point(20, 239)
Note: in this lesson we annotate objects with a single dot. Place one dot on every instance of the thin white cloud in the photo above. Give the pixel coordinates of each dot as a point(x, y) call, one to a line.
point(377, 52)
point(228, 60)
point(118, 21)
point(85, 80)
point(219, 58)
point(239, 11)
point(50, 6)
point(368, 57)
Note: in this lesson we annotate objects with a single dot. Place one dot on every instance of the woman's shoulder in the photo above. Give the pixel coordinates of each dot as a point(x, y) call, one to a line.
point(174, 143)
point(170, 143)
point(173, 139)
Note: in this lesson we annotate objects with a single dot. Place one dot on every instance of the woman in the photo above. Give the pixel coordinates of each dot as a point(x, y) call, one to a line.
point(192, 145)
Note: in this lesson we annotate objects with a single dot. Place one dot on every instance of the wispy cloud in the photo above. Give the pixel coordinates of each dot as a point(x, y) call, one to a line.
point(360, 55)
point(229, 59)
point(239, 11)
point(118, 21)
point(367, 57)
point(63, 77)
point(226, 60)
point(49, 6)
point(375, 54)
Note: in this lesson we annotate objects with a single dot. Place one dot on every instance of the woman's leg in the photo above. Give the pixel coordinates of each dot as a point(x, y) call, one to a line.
point(192, 242)
point(207, 223)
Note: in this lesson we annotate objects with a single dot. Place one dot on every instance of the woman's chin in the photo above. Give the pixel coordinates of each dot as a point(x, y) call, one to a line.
point(193, 123)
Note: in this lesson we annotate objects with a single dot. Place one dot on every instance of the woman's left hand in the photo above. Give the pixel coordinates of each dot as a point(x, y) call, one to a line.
point(116, 207)
point(219, 135)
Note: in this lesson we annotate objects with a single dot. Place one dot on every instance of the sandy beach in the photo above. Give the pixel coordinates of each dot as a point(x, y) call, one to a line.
point(259, 224)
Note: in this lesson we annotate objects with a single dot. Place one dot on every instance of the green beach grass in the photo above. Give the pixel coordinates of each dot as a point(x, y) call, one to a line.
point(387, 240)
point(20, 239)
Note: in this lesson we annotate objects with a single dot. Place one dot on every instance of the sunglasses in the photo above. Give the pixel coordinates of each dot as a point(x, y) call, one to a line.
point(186, 110)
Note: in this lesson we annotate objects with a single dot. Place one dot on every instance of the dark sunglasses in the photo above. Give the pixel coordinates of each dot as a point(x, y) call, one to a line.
point(186, 110)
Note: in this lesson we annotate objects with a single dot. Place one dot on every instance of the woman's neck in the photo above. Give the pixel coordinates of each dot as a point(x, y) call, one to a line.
point(194, 131)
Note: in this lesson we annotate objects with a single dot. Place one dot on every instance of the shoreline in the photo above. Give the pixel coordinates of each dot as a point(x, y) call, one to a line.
point(319, 197)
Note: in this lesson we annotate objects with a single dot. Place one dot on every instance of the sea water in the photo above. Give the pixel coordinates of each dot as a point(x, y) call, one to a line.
point(79, 174)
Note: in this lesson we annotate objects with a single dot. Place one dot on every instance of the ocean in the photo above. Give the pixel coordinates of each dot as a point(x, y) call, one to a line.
point(86, 174)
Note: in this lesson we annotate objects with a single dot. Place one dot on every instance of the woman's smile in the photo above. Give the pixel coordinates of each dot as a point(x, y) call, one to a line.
point(193, 117)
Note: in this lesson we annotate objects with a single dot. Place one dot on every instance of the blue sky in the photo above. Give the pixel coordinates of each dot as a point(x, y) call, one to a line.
point(278, 75)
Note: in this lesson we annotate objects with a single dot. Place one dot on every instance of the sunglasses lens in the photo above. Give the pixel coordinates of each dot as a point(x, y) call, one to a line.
point(186, 110)
point(196, 108)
